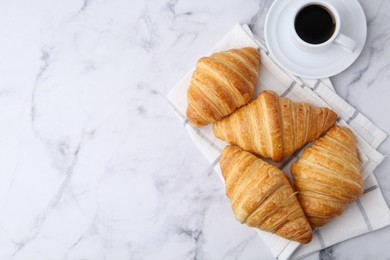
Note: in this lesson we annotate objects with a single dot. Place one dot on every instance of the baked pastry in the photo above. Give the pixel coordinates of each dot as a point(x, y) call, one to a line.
point(261, 196)
point(327, 176)
point(222, 83)
point(274, 127)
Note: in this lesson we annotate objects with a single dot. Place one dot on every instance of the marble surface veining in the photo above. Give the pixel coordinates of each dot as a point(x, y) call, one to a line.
point(95, 165)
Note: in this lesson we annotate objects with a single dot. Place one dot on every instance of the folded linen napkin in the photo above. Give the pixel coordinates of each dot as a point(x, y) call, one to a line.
point(369, 212)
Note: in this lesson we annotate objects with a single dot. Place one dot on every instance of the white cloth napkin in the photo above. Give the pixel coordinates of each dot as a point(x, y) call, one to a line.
point(368, 213)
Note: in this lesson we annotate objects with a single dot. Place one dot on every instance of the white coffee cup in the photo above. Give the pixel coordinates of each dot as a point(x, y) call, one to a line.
point(337, 38)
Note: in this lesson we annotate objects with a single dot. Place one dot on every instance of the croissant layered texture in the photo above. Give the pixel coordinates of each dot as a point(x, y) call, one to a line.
point(261, 196)
point(222, 83)
point(274, 127)
point(327, 176)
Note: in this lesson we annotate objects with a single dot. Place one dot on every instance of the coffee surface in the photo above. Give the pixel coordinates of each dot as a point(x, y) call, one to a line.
point(314, 24)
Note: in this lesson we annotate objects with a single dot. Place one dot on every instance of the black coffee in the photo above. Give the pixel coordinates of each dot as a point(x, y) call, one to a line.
point(314, 24)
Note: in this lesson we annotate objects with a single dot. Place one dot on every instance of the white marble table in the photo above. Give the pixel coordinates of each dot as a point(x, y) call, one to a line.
point(95, 165)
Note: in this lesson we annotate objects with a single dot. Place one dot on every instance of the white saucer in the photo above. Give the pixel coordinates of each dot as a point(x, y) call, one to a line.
point(293, 59)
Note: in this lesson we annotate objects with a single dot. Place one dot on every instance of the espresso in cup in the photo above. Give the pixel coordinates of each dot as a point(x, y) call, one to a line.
point(315, 24)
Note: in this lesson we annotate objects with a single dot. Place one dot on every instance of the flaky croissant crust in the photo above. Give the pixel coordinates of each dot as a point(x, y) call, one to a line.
point(222, 83)
point(327, 176)
point(274, 127)
point(262, 196)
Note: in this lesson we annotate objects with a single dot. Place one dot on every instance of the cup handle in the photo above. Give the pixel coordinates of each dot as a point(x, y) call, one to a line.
point(346, 42)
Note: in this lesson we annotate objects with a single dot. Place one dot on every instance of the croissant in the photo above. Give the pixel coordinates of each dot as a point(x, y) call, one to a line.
point(327, 176)
point(222, 83)
point(261, 196)
point(274, 127)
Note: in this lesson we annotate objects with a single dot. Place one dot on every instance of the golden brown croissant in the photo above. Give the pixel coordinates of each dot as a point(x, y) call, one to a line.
point(261, 196)
point(327, 176)
point(222, 83)
point(274, 127)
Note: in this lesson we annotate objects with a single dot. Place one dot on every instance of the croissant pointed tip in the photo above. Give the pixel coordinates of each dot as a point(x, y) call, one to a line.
point(306, 240)
point(193, 118)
